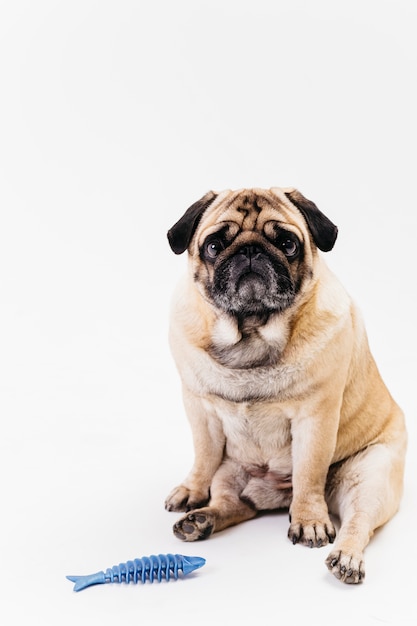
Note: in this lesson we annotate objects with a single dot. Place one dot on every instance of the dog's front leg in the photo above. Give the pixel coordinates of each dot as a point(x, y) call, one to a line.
point(209, 441)
point(313, 444)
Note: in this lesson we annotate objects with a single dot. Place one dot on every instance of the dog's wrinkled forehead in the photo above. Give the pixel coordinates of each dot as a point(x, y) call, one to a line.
point(250, 210)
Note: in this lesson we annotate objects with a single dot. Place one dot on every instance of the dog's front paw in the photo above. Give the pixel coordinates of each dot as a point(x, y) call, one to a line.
point(194, 526)
point(312, 533)
point(346, 567)
point(184, 499)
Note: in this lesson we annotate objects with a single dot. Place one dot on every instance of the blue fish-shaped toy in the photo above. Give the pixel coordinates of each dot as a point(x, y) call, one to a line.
point(148, 568)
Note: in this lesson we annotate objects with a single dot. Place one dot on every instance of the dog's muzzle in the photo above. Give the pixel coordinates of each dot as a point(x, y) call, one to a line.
point(252, 282)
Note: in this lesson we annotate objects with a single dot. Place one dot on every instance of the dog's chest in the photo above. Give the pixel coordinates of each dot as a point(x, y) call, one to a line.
point(243, 386)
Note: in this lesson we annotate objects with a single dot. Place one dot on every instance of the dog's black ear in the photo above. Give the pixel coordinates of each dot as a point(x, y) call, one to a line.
point(180, 235)
point(324, 232)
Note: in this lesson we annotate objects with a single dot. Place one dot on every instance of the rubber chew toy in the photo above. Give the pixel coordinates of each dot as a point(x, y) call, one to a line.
point(148, 568)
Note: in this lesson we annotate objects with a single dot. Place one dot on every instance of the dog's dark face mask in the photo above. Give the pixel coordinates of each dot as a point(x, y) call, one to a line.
point(252, 276)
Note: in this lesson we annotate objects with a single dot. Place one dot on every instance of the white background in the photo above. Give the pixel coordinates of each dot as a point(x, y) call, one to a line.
point(115, 116)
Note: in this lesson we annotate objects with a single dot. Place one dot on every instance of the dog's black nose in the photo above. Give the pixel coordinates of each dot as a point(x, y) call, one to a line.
point(250, 250)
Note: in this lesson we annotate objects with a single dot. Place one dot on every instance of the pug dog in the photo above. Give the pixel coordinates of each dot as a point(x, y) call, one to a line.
point(285, 401)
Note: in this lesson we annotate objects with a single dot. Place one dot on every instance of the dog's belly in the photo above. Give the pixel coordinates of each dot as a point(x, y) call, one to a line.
point(258, 438)
point(257, 452)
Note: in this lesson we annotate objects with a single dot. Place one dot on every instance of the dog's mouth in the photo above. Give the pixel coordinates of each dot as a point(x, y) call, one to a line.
point(252, 287)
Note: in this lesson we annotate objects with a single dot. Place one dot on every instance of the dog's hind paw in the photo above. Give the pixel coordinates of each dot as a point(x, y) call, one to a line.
point(194, 526)
point(347, 568)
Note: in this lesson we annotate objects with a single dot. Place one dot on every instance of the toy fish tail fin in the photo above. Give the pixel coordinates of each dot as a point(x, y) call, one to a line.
point(81, 582)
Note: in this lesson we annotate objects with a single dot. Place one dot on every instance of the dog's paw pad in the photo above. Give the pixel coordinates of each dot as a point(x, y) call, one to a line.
point(193, 527)
point(347, 568)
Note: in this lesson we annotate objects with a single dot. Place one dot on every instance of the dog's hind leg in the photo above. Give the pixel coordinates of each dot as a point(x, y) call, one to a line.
point(225, 508)
point(364, 491)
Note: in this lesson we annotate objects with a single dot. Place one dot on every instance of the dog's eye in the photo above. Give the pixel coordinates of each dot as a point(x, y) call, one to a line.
point(290, 247)
point(213, 248)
